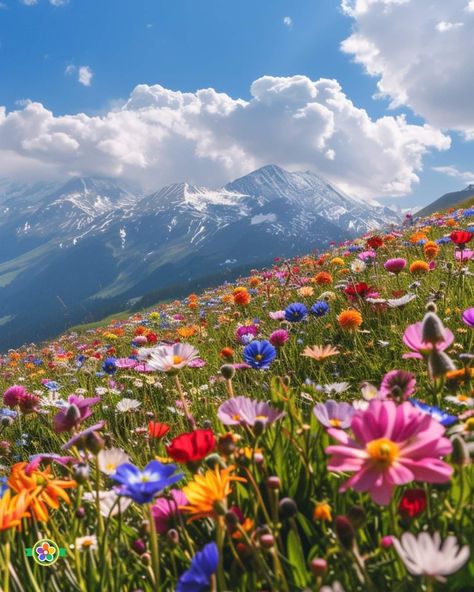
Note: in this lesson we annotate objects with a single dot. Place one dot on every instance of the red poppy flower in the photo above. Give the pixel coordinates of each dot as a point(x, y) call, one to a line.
point(192, 446)
point(151, 337)
point(461, 237)
point(413, 503)
point(157, 429)
point(374, 242)
point(360, 289)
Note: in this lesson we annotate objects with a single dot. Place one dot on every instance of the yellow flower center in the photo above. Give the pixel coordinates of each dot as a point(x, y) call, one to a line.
point(236, 417)
point(462, 398)
point(260, 417)
point(258, 357)
point(177, 359)
point(40, 480)
point(87, 543)
point(470, 424)
point(110, 466)
point(383, 451)
point(335, 423)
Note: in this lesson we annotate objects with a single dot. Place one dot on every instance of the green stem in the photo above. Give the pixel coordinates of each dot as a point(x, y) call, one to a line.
point(155, 555)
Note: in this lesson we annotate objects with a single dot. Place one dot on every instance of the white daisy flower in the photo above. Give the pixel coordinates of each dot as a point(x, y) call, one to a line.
point(110, 503)
point(110, 459)
point(127, 405)
point(86, 542)
point(336, 387)
point(426, 556)
point(461, 400)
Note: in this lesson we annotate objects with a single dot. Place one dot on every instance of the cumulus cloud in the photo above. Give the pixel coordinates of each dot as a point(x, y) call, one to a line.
point(160, 136)
point(288, 21)
point(84, 74)
point(452, 171)
point(421, 55)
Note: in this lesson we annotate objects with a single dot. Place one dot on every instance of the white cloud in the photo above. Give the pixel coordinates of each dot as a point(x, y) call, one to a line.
point(29, 2)
point(85, 75)
point(58, 2)
point(161, 136)
point(288, 21)
point(452, 171)
point(422, 55)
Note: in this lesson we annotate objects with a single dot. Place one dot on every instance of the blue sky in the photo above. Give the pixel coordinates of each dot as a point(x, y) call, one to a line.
point(185, 45)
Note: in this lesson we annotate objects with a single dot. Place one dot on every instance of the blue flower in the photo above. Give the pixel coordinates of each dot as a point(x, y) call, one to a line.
point(80, 361)
point(320, 308)
point(109, 366)
point(197, 577)
point(438, 414)
point(3, 485)
point(259, 354)
point(52, 385)
point(296, 312)
point(142, 486)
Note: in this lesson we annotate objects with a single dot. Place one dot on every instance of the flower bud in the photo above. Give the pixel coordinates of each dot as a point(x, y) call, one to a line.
point(139, 546)
point(345, 532)
point(206, 424)
point(258, 427)
point(431, 307)
point(226, 444)
point(288, 508)
point(94, 443)
point(274, 483)
point(81, 473)
point(146, 559)
point(214, 460)
point(318, 566)
point(460, 454)
point(228, 371)
point(432, 330)
point(439, 363)
point(172, 536)
point(80, 513)
point(73, 414)
point(267, 541)
point(144, 528)
point(231, 519)
point(6, 420)
point(356, 516)
point(386, 542)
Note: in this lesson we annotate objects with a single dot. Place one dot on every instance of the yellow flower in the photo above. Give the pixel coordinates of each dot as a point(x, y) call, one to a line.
point(207, 494)
point(305, 291)
point(337, 261)
point(318, 352)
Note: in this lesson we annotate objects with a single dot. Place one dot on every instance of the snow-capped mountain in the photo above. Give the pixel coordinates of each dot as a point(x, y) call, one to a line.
point(81, 250)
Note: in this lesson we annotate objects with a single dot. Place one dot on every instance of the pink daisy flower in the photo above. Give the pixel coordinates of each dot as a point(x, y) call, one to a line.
point(392, 445)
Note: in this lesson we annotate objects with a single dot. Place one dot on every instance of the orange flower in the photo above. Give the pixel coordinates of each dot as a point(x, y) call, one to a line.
point(227, 352)
point(349, 319)
point(337, 261)
point(305, 291)
point(419, 267)
point(323, 277)
point(157, 430)
point(13, 509)
point(450, 222)
point(207, 494)
point(418, 236)
point(318, 352)
point(186, 332)
point(241, 296)
point(431, 250)
point(43, 488)
point(254, 281)
point(322, 511)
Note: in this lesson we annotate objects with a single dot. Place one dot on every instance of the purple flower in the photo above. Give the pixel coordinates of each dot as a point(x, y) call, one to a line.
point(81, 436)
point(332, 414)
point(246, 333)
point(395, 265)
point(37, 459)
point(468, 317)
point(397, 384)
point(245, 411)
point(123, 363)
point(279, 337)
point(203, 566)
point(74, 414)
point(142, 486)
point(13, 395)
point(165, 509)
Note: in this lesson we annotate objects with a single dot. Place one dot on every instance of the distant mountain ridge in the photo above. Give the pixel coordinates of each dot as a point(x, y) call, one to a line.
point(81, 250)
point(448, 200)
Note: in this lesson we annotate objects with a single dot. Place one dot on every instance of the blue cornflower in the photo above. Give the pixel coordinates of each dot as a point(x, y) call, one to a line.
point(4, 412)
point(436, 413)
point(443, 240)
point(80, 361)
point(320, 308)
point(296, 312)
point(109, 366)
point(259, 354)
point(52, 385)
point(3, 485)
point(142, 486)
point(203, 566)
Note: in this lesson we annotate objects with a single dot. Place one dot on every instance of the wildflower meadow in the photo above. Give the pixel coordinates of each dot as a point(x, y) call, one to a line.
point(308, 427)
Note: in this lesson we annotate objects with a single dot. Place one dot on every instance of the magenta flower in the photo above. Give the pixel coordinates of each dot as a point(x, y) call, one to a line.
point(242, 410)
point(82, 436)
point(412, 339)
point(74, 414)
point(332, 414)
point(468, 317)
point(125, 363)
point(464, 255)
point(164, 510)
point(367, 256)
point(395, 265)
point(13, 395)
point(246, 333)
point(392, 445)
point(279, 337)
point(397, 384)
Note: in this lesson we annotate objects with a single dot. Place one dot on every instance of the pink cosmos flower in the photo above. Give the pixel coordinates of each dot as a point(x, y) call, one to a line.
point(412, 339)
point(122, 363)
point(392, 445)
point(165, 509)
point(277, 315)
point(464, 255)
point(71, 416)
point(242, 410)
